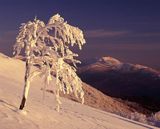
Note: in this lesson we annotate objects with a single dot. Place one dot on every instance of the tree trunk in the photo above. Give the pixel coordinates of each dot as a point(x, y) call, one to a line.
point(26, 85)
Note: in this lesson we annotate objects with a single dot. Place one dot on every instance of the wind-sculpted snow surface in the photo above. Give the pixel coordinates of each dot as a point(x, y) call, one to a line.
point(41, 114)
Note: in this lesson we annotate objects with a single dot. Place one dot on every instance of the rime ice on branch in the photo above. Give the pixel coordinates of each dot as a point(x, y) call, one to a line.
point(48, 47)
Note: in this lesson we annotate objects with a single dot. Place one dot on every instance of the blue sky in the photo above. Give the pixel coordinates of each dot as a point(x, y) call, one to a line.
point(125, 29)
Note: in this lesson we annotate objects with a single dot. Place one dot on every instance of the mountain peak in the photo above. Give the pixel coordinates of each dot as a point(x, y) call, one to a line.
point(109, 60)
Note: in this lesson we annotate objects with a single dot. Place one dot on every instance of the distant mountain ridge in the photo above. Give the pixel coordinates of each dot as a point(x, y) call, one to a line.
point(110, 62)
point(127, 81)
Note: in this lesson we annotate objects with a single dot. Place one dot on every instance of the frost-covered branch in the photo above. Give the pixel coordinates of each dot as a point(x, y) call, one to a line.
point(48, 47)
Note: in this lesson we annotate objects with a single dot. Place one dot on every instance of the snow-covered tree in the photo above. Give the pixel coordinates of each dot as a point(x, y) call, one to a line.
point(47, 46)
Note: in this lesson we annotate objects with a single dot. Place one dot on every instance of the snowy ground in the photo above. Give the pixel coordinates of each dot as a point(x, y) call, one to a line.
point(41, 114)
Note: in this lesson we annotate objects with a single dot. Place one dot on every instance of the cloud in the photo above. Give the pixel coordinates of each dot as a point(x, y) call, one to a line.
point(148, 34)
point(101, 33)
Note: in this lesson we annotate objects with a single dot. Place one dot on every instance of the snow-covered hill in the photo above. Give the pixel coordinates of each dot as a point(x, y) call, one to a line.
point(133, 82)
point(110, 63)
point(41, 114)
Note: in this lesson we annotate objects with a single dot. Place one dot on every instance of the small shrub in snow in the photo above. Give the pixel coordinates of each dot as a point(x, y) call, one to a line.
point(139, 117)
point(154, 119)
point(157, 116)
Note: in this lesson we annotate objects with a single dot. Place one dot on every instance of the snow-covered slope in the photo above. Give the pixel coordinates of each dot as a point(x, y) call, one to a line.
point(41, 114)
point(124, 80)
